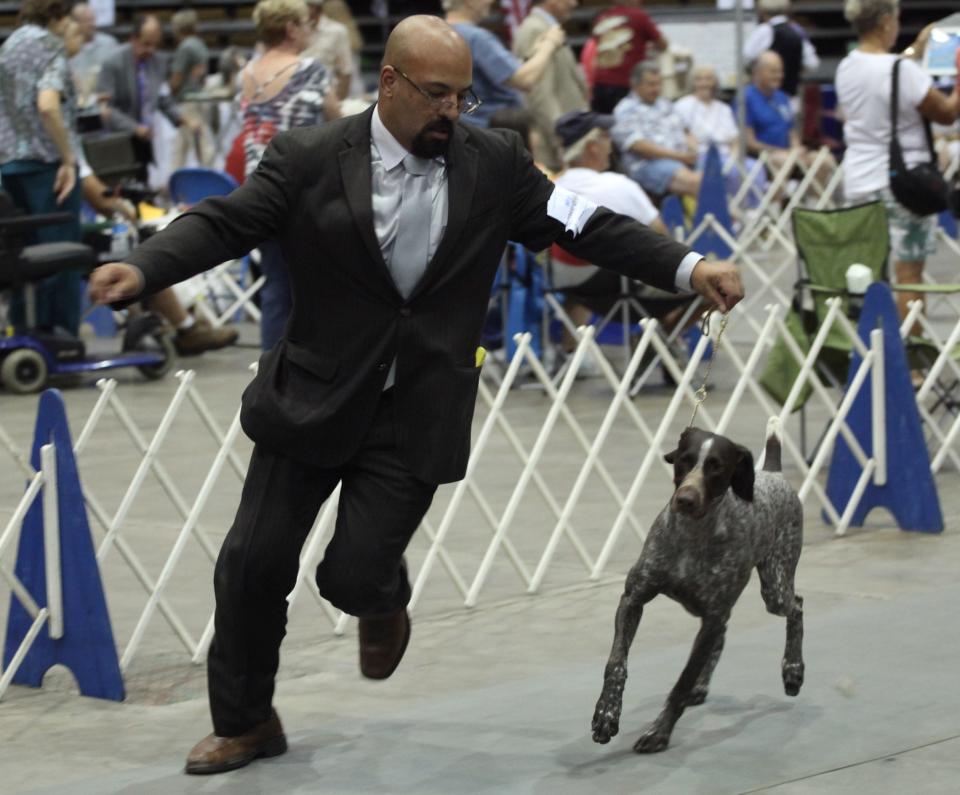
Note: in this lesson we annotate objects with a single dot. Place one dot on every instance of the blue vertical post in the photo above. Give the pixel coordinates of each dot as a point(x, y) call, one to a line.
point(87, 646)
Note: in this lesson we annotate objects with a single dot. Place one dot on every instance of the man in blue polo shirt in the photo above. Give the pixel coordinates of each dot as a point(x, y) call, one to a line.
point(770, 119)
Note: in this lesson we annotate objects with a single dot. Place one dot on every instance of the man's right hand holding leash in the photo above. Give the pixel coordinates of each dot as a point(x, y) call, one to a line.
point(718, 282)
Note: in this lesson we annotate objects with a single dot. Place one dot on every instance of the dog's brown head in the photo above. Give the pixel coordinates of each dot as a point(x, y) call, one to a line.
point(705, 465)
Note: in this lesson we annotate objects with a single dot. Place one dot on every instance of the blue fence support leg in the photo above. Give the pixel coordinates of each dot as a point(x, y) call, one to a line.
point(87, 646)
point(713, 199)
point(910, 493)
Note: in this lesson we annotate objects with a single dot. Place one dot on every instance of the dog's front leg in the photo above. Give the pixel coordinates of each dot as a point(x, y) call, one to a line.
point(606, 717)
point(657, 735)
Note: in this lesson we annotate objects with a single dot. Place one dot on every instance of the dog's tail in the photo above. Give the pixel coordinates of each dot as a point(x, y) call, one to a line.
point(771, 455)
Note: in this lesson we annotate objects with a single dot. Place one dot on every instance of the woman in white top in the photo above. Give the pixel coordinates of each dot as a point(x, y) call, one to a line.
point(711, 121)
point(863, 92)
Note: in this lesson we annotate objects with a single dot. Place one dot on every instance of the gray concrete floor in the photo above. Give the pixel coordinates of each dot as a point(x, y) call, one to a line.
point(498, 699)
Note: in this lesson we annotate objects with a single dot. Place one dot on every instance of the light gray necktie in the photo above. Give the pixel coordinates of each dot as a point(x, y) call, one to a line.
point(408, 260)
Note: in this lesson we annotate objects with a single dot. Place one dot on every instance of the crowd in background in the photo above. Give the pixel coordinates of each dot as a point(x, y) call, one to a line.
point(607, 108)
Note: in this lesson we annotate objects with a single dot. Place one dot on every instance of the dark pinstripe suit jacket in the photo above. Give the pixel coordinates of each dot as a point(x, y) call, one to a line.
point(316, 392)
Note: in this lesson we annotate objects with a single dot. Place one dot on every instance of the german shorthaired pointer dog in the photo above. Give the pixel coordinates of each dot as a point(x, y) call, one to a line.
point(722, 521)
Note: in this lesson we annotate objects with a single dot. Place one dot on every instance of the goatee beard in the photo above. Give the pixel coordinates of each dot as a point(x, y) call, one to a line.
point(428, 148)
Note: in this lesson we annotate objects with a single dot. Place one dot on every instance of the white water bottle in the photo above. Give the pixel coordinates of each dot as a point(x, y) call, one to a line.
point(119, 236)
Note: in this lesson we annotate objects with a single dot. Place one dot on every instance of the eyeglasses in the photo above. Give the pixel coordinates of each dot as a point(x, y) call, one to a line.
point(466, 103)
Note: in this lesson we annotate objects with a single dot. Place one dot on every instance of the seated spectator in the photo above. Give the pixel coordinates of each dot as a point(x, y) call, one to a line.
point(622, 34)
point(650, 135)
point(330, 44)
point(711, 121)
point(770, 118)
point(94, 50)
point(132, 79)
point(776, 32)
point(562, 87)
point(281, 89)
point(193, 335)
point(587, 147)
point(188, 71)
point(498, 75)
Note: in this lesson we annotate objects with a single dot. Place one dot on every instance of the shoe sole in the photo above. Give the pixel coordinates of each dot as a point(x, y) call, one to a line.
point(403, 649)
point(273, 747)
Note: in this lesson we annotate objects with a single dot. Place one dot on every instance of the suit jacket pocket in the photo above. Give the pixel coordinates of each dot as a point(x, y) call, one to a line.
point(322, 365)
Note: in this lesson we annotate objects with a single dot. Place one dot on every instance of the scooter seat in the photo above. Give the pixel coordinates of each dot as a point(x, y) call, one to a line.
point(44, 259)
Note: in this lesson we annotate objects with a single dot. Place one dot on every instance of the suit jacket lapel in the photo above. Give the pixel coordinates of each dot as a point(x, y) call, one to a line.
point(355, 174)
point(461, 180)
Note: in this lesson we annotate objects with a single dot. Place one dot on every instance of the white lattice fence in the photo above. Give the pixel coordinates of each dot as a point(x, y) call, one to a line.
point(561, 487)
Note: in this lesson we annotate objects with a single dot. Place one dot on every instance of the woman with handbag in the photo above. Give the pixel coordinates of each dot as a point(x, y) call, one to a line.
point(889, 154)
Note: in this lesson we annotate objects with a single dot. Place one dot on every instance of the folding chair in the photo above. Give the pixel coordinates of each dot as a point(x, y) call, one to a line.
point(192, 185)
point(828, 242)
point(616, 312)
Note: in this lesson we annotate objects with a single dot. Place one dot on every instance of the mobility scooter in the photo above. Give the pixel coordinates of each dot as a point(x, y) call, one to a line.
point(30, 355)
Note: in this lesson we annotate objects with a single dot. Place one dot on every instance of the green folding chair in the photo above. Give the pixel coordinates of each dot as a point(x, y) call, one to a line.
point(828, 242)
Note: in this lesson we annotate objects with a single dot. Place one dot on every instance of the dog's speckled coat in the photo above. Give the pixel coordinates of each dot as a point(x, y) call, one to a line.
point(723, 521)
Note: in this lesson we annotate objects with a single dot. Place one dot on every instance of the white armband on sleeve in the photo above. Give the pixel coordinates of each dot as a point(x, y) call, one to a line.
point(685, 271)
point(570, 209)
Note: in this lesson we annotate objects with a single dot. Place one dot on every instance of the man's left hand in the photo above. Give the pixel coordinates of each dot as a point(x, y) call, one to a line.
point(718, 282)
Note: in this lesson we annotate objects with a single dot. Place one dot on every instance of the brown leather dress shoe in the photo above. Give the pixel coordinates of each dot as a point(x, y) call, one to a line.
point(203, 336)
point(383, 640)
point(214, 754)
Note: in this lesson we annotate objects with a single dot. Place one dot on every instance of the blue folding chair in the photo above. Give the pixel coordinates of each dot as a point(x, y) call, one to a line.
point(192, 185)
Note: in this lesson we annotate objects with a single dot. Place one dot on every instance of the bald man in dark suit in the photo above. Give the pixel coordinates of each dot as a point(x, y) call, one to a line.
point(393, 222)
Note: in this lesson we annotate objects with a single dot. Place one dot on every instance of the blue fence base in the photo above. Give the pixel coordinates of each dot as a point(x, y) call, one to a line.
point(910, 493)
point(87, 647)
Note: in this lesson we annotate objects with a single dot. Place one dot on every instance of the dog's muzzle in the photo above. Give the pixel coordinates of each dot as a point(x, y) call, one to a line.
point(687, 500)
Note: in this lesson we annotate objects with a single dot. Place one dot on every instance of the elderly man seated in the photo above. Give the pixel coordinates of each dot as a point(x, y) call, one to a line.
point(587, 147)
point(770, 119)
point(656, 150)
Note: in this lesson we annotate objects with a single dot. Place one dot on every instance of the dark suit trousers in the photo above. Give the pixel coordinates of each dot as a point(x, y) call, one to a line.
point(362, 572)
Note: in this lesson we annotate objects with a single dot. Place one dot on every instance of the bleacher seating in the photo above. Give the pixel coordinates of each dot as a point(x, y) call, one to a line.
point(227, 22)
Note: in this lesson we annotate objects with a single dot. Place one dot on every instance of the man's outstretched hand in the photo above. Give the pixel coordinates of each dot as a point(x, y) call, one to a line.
point(115, 281)
point(718, 282)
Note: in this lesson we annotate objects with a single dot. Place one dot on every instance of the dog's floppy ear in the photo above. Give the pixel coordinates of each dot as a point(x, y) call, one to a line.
point(743, 475)
point(672, 455)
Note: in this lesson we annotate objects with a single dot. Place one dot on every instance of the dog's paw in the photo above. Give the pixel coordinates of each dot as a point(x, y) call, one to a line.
point(792, 678)
point(606, 720)
point(697, 697)
point(654, 739)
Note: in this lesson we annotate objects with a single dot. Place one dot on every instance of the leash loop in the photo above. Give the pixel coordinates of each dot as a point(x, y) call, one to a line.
point(701, 393)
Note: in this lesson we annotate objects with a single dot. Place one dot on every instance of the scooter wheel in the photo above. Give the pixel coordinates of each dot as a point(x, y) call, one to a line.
point(156, 371)
point(24, 371)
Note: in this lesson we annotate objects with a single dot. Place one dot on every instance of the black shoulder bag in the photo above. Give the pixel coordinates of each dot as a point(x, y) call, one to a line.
point(921, 189)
